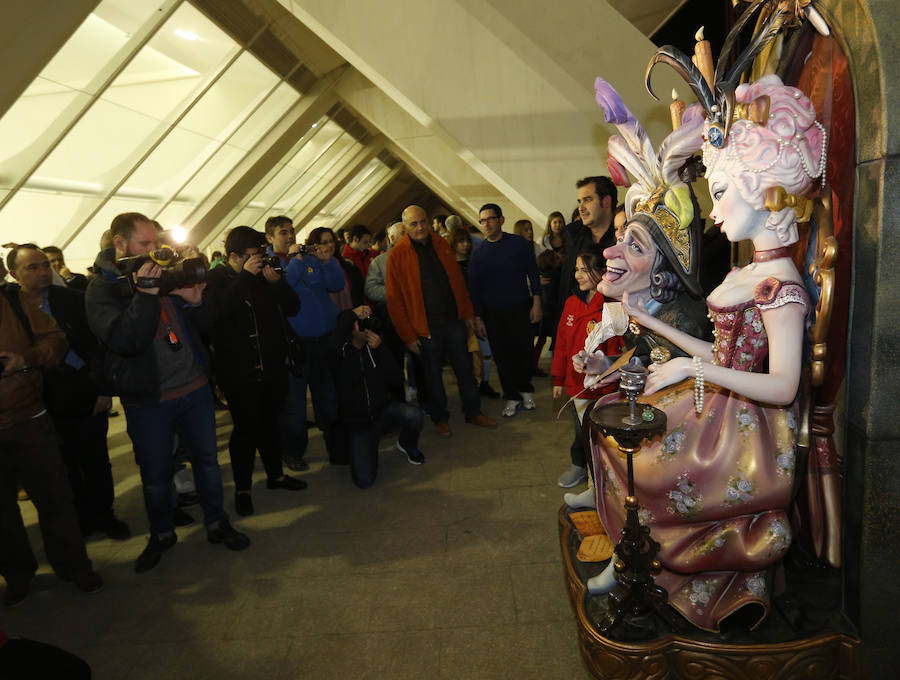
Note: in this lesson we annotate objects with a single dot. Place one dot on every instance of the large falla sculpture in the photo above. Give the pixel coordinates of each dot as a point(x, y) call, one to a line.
point(715, 489)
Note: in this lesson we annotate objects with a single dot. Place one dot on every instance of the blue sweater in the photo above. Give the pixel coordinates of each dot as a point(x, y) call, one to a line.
point(312, 282)
point(503, 273)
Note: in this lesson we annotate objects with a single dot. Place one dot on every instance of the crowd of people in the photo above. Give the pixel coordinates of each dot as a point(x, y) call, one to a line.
point(361, 324)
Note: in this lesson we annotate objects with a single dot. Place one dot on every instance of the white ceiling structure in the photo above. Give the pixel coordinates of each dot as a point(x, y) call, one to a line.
point(213, 113)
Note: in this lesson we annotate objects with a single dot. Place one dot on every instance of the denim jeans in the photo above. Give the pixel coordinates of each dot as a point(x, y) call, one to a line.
point(450, 340)
point(317, 375)
point(152, 429)
point(364, 439)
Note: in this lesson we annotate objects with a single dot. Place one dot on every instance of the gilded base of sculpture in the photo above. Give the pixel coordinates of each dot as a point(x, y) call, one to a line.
point(803, 638)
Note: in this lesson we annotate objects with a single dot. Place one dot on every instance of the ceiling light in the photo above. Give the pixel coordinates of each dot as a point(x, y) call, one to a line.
point(315, 125)
point(186, 35)
point(179, 234)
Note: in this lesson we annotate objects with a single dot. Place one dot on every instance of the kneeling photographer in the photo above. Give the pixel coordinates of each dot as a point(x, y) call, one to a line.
point(148, 312)
point(250, 343)
point(365, 373)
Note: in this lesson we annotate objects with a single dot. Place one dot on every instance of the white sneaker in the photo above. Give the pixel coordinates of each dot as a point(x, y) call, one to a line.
point(528, 401)
point(572, 477)
point(510, 409)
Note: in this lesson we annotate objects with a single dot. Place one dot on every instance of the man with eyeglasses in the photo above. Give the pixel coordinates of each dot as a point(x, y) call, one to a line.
point(431, 310)
point(506, 295)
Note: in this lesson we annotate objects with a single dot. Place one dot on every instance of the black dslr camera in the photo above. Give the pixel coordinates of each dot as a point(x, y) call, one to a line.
point(177, 272)
point(372, 323)
point(272, 261)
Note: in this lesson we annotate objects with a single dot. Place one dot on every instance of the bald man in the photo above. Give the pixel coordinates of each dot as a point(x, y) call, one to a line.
point(430, 308)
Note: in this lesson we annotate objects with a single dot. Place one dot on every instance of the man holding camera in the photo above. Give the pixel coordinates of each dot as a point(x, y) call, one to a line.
point(365, 373)
point(250, 348)
point(154, 360)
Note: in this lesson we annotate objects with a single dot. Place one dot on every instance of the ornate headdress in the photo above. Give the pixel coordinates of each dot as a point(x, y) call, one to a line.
point(659, 199)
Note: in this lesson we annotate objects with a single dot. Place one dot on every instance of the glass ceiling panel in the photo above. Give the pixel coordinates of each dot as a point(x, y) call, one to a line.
point(322, 173)
point(19, 224)
point(356, 189)
point(262, 120)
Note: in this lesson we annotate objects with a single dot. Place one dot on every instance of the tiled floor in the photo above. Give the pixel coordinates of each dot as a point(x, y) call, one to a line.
point(448, 570)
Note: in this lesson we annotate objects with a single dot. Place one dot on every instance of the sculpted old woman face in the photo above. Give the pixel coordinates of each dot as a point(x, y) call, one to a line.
point(628, 263)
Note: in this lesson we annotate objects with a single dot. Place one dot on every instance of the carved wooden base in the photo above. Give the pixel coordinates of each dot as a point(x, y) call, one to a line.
point(644, 650)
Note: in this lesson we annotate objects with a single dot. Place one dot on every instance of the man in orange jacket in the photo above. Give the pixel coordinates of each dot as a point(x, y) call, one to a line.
point(431, 310)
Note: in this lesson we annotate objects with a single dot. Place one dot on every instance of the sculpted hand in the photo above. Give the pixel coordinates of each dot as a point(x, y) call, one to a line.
point(669, 373)
point(636, 308)
point(591, 363)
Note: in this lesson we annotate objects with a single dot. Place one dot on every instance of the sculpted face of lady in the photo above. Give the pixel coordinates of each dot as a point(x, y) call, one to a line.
point(628, 263)
point(732, 214)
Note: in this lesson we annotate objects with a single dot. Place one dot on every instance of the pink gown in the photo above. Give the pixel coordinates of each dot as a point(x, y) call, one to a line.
point(715, 488)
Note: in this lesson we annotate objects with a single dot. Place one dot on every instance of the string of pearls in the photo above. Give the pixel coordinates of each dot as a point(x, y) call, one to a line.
point(711, 153)
point(698, 384)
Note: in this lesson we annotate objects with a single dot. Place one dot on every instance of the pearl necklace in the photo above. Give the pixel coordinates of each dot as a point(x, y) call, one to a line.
point(698, 385)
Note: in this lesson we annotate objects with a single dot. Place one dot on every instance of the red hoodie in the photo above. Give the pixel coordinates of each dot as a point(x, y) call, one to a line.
point(570, 337)
point(362, 260)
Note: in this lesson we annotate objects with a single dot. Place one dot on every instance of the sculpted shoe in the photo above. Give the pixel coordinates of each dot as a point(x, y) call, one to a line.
point(152, 554)
point(227, 534)
point(572, 477)
point(528, 401)
point(286, 483)
point(414, 456)
point(243, 504)
point(443, 429)
point(510, 409)
point(482, 420)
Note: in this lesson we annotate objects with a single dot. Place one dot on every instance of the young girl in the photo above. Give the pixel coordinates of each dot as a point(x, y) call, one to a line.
point(581, 315)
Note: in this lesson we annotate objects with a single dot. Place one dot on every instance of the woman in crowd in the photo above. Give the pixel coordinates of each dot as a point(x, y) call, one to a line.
point(554, 237)
point(525, 229)
point(352, 293)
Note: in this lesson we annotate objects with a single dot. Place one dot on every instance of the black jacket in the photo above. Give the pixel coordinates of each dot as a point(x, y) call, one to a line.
point(578, 237)
point(249, 340)
point(363, 377)
point(125, 323)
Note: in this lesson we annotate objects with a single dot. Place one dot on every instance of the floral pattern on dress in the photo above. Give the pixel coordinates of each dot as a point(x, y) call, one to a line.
point(785, 460)
point(684, 500)
point(672, 444)
point(645, 516)
point(701, 592)
point(779, 538)
point(739, 490)
point(756, 585)
point(612, 484)
point(715, 542)
point(747, 421)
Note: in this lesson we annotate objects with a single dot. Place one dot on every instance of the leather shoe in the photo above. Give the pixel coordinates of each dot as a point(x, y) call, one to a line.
point(116, 529)
point(488, 391)
point(443, 429)
point(482, 420)
point(243, 504)
point(153, 552)
point(87, 581)
point(17, 590)
point(286, 483)
point(227, 534)
point(181, 518)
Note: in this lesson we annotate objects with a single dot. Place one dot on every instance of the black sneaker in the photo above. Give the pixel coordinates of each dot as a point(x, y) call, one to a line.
point(295, 463)
point(88, 581)
point(286, 482)
point(182, 518)
point(227, 534)
point(243, 504)
point(152, 554)
point(116, 529)
point(414, 456)
point(488, 391)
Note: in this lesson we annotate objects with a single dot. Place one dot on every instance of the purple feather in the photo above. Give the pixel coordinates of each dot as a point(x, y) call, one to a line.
point(614, 109)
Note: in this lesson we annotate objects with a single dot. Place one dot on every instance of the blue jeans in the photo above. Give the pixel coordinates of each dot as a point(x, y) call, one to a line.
point(450, 340)
point(317, 375)
point(152, 429)
point(364, 439)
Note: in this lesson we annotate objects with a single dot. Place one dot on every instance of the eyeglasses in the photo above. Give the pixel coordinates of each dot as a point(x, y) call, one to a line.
point(485, 220)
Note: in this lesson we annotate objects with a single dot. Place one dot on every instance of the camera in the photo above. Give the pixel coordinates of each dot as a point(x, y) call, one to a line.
point(272, 261)
point(372, 323)
point(177, 272)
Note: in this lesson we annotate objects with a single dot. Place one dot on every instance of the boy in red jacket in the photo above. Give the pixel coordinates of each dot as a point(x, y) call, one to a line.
point(580, 321)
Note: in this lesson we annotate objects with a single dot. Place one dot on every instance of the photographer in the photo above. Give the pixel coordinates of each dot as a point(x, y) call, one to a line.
point(365, 373)
point(250, 347)
point(154, 360)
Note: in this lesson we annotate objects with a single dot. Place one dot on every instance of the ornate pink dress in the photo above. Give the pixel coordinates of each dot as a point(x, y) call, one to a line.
point(714, 489)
